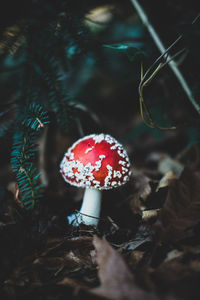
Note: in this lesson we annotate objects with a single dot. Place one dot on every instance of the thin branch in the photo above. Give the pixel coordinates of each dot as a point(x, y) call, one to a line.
point(143, 107)
point(162, 49)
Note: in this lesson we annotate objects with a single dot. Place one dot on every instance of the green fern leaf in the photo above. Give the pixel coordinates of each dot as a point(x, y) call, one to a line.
point(23, 155)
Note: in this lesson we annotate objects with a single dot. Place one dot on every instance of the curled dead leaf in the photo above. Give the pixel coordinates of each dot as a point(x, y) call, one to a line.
point(117, 282)
point(181, 210)
point(165, 180)
point(149, 214)
point(142, 189)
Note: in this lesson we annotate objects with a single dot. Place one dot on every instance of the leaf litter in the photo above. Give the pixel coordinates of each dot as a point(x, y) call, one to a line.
point(155, 256)
point(157, 259)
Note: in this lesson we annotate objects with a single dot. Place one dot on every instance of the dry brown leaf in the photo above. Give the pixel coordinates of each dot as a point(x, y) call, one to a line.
point(142, 189)
point(181, 210)
point(149, 214)
point(173, 254)
point(117, 282)
point(190, 156)
point(165, 180)
point(73, 283)
point(179, 279)
point(80, 290)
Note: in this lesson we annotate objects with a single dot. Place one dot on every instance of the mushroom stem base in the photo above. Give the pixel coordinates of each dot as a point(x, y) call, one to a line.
point(90, 209)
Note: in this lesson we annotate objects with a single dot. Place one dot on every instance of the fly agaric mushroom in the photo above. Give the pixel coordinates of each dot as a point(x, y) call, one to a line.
point(95, 162)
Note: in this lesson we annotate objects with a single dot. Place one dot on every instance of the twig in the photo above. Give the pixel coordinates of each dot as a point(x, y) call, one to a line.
point(162, 49)
point(146, 80)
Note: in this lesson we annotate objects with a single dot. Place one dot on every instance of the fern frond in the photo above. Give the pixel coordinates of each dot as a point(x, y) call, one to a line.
point(30, 188)
point(57, 94)
point(36, 118)
point(23, 150)
point(23, 154)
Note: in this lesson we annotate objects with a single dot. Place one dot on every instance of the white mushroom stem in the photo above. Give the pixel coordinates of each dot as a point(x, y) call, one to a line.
point(91, 206)
point(90, 209)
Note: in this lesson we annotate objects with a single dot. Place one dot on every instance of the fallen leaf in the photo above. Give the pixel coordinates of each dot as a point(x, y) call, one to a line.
point(178, 279)
point(77, 285)
point(142, 189)
point(190, 156)
point(181, 210)
point(165, 180)
point(149, 214)
point(167, 164)
point(173, 254)
point(135, 258)
point(117, 282)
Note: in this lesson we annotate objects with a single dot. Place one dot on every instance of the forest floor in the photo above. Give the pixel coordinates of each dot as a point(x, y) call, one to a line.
point(147, 244)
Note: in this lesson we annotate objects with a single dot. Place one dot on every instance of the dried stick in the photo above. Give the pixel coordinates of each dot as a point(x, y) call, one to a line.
point(162, 49)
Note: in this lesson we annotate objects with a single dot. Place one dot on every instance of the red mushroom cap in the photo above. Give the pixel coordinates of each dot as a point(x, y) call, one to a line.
point(96, 161)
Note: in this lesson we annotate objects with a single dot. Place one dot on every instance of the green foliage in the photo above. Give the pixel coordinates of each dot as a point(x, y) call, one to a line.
point(23, 154)
point(39, 53)
point(58, 99)
point(36, 118)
